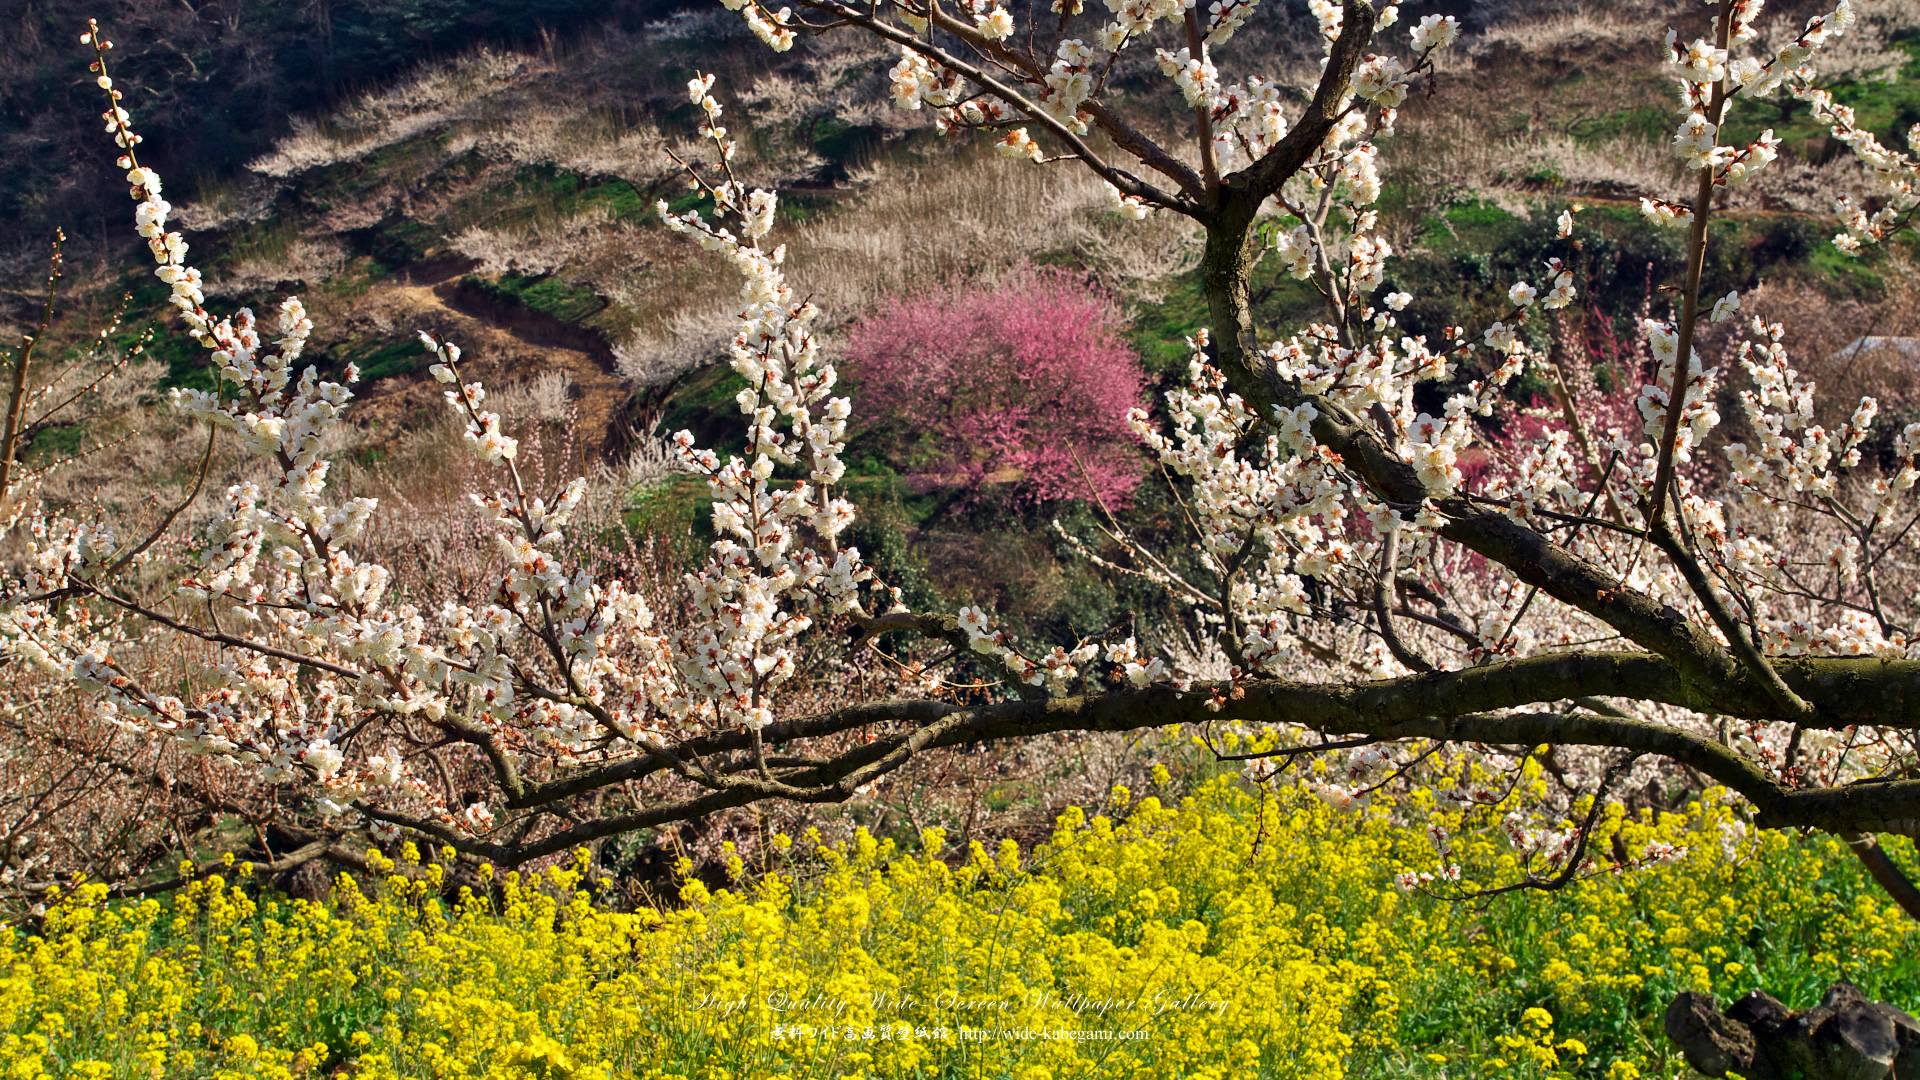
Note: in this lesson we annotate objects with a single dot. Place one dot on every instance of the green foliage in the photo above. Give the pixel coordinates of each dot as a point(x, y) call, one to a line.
point(880, 532)
point(397, 243)
point(1887, 107)
point(380, 356)
point(678, 509)
point(704, 404)
point(1645, 123)
point(187, 362)
point(51, 444)
point(545, 293)
point(841, 142)
point(1159, 330)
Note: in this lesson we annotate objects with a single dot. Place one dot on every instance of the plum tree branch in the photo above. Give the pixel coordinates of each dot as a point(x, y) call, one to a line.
point(1472, 705)
point(1128, 139)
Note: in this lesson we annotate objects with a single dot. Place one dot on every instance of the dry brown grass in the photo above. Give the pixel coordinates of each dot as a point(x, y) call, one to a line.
point(1823, 338)
point(1523, 113)
point(306, 263)
point(587, 141)
point(545, 398)
point(547, 244)
point(903, 230)
point(964, 212)
point(435, 96)
point(974, 217)
point(1464, 163)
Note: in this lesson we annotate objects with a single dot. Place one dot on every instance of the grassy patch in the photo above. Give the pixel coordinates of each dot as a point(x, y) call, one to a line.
point(1644, 124)
point(379, 356)
point(186, 360)
point(704, 404)
point(261, 240)
point(1160, 329)
point(679, 509)
point(547, 294)
point(1885, 107)
point(60, 441)
point(402, 242)
point(414, 158)
point(843, 143)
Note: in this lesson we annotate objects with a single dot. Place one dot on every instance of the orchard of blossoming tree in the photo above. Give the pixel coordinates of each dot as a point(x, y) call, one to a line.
point(1371, 598)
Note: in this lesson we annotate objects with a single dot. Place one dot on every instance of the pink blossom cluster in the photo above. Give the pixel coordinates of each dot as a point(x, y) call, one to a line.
point(1023, 384)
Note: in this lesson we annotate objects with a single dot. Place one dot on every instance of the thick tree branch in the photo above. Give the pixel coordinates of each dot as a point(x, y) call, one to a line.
point(1472, 705)
point(1264, 177)
point(1132, 141)
point(1844, 691)
point(1534, 558)
point(318, 849)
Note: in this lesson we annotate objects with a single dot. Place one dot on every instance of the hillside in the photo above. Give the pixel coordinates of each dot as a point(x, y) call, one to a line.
point(502, 193)
point(500, 189)
point(218, 80)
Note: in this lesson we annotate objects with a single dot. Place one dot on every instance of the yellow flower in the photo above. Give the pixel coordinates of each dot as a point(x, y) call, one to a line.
point(1242, 931)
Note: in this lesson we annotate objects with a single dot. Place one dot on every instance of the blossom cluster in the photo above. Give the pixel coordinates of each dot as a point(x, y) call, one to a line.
point(1274, 493)
point(1286, 538)
point(335, 672)
point(1712, 76)
point(1241, 120)
point(762, 559)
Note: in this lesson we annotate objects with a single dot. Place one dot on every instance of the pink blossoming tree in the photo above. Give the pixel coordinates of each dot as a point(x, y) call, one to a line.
point(1022, 386)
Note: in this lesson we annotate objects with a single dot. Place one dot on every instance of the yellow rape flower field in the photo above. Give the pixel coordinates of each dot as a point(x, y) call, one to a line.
point(1232, 935)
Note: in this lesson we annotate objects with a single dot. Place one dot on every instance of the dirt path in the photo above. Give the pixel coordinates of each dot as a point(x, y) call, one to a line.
point(498, 355)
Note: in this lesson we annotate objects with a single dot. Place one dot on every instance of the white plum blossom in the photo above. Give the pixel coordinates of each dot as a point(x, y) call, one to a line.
point(1501, 337)
point(995, 24)
point(1700, 62)
point(1199, 83)
point(1017, 144)
point(1381, 80)
point(1664, 213)
point(1434, 32)
point(1562, 293)
point(1297, 251)
point(1127, 206)
point(1694, 142)
point(911, 80)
